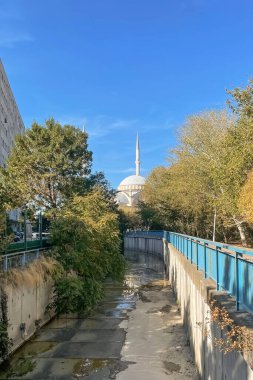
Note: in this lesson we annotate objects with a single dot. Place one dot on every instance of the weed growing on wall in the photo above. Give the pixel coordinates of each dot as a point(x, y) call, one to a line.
point(233, 337)
point(5, 341)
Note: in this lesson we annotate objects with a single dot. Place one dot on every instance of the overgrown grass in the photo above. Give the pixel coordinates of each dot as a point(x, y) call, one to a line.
point(34, 274)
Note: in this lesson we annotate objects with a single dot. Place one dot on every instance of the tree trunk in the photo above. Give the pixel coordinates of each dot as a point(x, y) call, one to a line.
point(214, 223)
point(224, 235)
point(241, 229)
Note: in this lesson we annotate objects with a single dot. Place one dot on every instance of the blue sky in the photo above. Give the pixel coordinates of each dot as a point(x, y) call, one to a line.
point(119, 67)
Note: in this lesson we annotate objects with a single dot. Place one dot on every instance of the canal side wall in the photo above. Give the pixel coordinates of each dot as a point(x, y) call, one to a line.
point(193, 294)
point(26, 309)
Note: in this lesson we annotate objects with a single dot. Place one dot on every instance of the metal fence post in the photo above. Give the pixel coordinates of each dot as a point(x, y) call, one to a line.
point(197, 254)
point(5, 268)
point(191, 251)
point(237, 295)
point(165, 235)
point(23, 259)
point(217, 268)
point(205, 260)
point(187, 248)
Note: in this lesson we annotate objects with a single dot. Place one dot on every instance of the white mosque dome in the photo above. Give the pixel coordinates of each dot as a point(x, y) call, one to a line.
point(132, 182)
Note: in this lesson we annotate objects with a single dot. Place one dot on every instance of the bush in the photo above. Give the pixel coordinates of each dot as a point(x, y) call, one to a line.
point(86, 242)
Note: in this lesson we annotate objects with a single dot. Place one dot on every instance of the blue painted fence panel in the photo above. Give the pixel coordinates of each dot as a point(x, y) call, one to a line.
point(229, 266)
point(245, 269)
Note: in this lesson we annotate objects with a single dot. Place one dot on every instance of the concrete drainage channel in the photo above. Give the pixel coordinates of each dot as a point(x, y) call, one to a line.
point(135, 333)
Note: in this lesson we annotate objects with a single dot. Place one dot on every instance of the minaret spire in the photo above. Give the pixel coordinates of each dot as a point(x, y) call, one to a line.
point(137, 155)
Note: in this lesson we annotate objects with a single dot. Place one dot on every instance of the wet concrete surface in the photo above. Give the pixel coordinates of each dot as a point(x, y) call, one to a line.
point(135, 332)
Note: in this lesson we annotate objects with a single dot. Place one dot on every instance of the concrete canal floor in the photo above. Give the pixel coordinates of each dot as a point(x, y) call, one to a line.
point(135, 333)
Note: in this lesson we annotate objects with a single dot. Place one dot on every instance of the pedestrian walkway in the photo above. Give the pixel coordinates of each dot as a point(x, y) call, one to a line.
point(156, 343)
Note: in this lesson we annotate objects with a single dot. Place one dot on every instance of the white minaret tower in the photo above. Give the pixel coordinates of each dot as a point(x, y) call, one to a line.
point(137, 155)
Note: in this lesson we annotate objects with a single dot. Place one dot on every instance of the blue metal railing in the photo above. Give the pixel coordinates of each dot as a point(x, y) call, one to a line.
point(229, 266)
point(158, 233)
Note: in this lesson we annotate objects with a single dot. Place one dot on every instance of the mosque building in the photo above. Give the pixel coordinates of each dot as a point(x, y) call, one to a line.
point(128, 192)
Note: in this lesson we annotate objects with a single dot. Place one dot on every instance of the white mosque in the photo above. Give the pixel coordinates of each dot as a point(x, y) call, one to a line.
point(128, 192)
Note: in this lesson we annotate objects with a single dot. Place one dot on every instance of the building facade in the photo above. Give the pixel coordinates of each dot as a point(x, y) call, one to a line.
point(11, 123)
point(129, 190)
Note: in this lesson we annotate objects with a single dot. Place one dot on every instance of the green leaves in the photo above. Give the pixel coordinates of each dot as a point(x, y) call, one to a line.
point(86, 242)
point(201, 187)
point(73, 294)
point(50, 168)
point(48, 165)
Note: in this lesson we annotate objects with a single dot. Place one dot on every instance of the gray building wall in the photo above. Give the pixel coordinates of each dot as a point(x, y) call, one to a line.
point(11, 123)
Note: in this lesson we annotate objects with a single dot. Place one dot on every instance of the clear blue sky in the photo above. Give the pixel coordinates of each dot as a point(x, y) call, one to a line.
point(125, 66)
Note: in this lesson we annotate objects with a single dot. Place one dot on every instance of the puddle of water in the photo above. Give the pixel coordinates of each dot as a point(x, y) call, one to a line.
point(17, 367)
point(164, 309)
point(32, 348)
point(86, 367)
point(23, 361)
point(143, 297)
point(125, 306)
point(115, 313)
point(171, 367)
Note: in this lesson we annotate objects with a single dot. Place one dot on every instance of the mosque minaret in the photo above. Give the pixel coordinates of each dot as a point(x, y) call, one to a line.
point(137, 161)
point(128, 192)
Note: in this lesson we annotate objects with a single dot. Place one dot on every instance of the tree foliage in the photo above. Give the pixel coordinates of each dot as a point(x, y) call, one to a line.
point(198, 193)
point(86, 242)
point(47, 165)
point(246, 199)
point(49, 168)
point(186, 195)
point(156, 207)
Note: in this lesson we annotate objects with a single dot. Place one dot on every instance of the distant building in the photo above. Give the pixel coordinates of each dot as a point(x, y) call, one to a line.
point(11, 123)
point(128, 192)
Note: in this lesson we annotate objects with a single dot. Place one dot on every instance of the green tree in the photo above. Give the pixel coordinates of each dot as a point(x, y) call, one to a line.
point(156, 207)
point(129, 218)
point(239, 154)
point(201, 189)
point(245, 202)
point(187, 196)
point(6, 234)
point(86, 242)
point(47, 165)
point(199, 167)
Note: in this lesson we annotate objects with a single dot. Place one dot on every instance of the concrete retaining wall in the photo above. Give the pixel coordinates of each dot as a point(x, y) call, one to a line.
point(27, 305)
point(193, 293)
